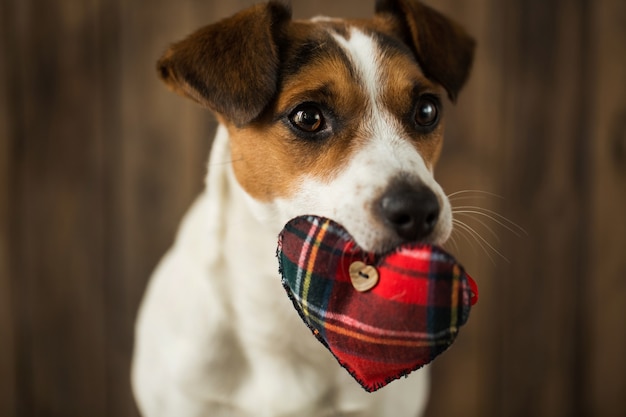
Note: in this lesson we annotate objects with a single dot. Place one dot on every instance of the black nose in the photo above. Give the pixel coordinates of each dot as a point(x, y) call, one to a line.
point(411, 211)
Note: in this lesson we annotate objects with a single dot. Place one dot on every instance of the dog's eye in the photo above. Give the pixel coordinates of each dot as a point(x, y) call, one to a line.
point(308, 118)
point(427, 111)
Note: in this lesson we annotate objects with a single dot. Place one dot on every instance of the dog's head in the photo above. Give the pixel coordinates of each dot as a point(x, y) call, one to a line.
point(337, 118)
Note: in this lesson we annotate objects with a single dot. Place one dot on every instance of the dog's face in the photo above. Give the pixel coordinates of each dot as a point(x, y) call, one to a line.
point(341, 119)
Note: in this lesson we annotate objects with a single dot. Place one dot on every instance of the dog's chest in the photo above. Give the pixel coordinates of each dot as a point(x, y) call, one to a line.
point(286, 366)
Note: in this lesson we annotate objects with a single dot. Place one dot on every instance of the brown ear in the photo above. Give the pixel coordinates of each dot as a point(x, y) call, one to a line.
point(444, 50)
point(231, 66)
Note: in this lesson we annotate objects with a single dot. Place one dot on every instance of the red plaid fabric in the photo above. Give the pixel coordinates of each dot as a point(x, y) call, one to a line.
point(412, 315)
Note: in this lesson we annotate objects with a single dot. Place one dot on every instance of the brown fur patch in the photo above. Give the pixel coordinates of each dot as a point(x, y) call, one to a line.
point(208, 68)
point(268, 155)
point(443, 49)
point(403, 84)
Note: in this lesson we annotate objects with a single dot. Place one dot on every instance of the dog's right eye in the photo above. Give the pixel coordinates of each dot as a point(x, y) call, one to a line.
point(427, 112)
point(307, 118)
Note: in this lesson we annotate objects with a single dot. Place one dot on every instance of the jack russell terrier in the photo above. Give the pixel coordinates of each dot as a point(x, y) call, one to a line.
point(328, 117)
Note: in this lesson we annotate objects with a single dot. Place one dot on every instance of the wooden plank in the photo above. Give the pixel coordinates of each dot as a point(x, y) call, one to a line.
point(58, 216)
point(8, 389)
point(118, 318)
point(607, 142)
point(164, 140)
point(537, 369)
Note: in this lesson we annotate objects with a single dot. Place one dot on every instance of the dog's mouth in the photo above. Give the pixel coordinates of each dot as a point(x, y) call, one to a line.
point(379, 237)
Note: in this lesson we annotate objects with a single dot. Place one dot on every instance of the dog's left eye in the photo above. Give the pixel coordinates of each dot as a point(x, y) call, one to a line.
point(427, 111)
point(307, 118)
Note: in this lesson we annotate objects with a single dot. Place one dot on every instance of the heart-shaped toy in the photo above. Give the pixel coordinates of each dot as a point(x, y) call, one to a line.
point(381, 316)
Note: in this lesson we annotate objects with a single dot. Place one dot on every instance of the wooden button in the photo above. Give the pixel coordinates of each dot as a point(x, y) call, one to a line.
point(364, 277)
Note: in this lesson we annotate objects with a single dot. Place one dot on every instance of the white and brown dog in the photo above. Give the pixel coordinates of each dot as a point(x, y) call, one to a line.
point(336, 118)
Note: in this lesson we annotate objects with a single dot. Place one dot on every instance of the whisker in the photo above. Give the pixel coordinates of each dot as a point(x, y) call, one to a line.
point(482, 223)
point(480, 239)
point(452, 242)
point(463, 233)
point(466, 198)
point(479, 192)
point(490, 214)
point(467, 233)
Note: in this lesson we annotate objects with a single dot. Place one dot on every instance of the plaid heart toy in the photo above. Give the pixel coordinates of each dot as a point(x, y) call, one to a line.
point(381, 316)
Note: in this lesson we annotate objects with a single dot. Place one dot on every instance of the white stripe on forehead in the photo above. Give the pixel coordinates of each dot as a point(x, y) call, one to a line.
point(380, 126)
point(363, 53)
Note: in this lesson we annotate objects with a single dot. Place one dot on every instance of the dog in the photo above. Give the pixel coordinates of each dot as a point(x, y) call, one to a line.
point(329, 117)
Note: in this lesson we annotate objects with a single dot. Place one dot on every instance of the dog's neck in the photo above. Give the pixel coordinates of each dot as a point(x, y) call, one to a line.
point(243, 246)
point(235, 227)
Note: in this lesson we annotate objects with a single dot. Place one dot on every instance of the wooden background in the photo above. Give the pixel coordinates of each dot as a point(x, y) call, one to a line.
point(98, 162)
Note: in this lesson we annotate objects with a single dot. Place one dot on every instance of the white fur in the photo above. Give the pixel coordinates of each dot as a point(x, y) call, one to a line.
point(216, 333)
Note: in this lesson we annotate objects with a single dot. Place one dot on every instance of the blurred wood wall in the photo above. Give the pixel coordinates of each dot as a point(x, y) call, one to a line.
point(98, 162)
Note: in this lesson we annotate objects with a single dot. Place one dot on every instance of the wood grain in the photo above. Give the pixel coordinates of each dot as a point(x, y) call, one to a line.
point(8, 323)
point(606, 285)
point(540, 362)
point(98, 162)
point(59, 224)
